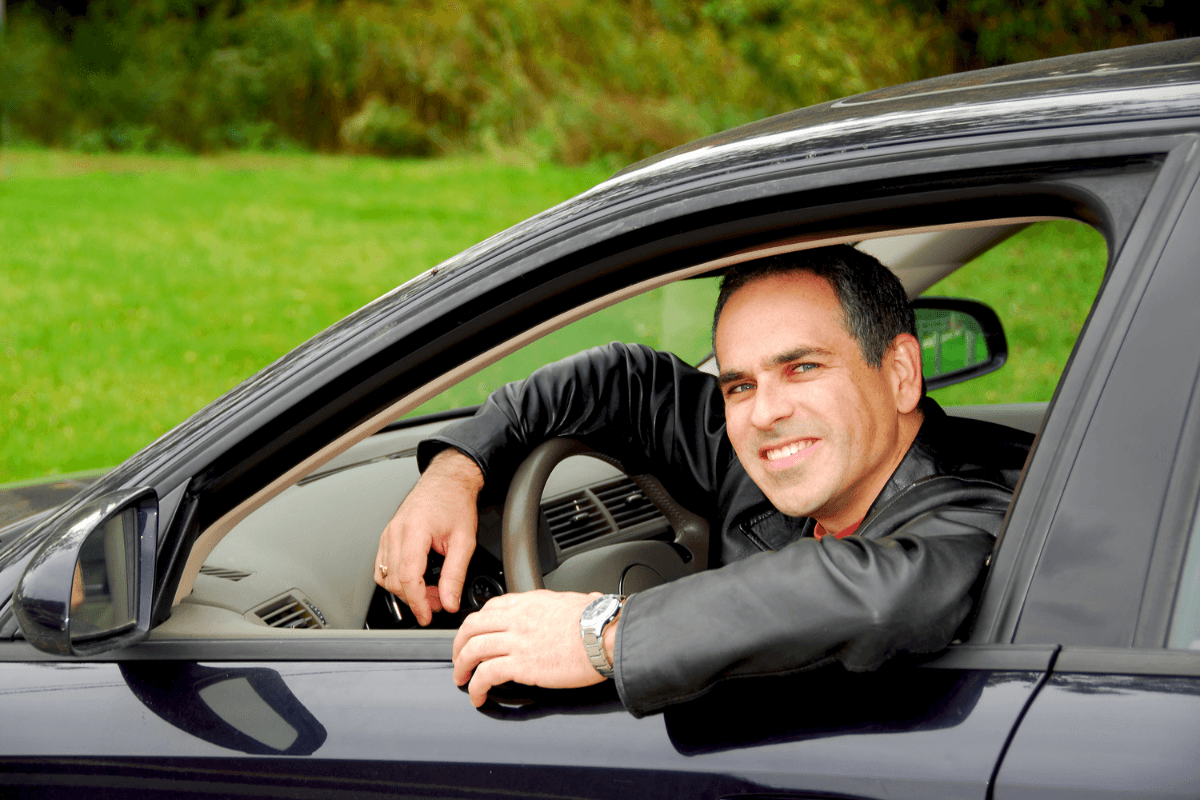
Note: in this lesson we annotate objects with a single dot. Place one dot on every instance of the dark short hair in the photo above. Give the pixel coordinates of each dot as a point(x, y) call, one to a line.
point(875, 308)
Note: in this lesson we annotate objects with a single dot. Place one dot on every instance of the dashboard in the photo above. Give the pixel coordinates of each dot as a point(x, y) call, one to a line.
point(304, 560)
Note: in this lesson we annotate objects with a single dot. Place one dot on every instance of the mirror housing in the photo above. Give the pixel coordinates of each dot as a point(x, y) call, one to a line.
point(960, 340)
point(89, 587)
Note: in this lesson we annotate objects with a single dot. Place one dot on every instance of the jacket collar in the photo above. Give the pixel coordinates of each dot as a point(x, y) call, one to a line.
point(921, 460)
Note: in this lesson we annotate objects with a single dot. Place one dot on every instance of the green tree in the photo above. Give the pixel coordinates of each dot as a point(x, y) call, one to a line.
point(987, 33)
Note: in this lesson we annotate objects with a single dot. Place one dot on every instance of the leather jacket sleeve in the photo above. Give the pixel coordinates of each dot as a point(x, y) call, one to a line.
point(857, 601)
point(647, 409)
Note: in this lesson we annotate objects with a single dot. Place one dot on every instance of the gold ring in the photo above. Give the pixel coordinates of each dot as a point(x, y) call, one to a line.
point(383, 570)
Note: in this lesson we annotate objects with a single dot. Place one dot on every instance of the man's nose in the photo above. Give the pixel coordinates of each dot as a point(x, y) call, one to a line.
point(770, 406)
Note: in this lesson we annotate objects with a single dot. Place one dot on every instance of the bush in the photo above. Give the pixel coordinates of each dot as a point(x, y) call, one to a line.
point(385, 129)
point(570, 80)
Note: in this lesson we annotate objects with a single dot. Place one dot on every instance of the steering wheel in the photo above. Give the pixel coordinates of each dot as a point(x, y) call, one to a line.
point(620, 568)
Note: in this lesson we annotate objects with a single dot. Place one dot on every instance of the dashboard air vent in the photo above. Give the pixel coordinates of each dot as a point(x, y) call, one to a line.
point(627, 503)
point(223, 572)
point(575, 520)
point(290, 611)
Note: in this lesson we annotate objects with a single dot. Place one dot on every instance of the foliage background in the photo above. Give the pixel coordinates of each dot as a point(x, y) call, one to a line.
point(137, 281)
point(570, 81)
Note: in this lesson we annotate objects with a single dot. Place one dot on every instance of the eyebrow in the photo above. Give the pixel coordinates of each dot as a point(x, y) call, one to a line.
point(786, 357)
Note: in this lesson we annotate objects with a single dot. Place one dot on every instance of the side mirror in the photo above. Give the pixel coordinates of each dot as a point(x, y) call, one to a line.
point(960, 340)
point(89, 588)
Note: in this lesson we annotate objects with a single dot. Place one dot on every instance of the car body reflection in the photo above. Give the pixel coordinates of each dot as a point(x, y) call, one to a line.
point(248, 709)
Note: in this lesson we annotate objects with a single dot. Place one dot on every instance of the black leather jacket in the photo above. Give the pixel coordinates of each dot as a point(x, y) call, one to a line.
point(781, 600)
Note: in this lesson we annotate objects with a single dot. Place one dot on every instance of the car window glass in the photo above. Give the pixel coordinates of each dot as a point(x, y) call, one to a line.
point(1041, 283)
point(1185, 628)
point(676, 318)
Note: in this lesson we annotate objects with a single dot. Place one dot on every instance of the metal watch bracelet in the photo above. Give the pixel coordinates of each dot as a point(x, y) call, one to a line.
point(597, 616)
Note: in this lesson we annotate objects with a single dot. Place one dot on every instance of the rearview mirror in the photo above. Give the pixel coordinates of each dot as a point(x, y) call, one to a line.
point(88, 589)
point(960, 340)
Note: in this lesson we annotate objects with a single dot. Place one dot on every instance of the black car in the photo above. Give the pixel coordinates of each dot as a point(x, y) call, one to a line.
point(202, 621)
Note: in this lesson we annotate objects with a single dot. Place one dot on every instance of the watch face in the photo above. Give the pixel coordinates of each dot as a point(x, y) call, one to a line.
point(600, 609)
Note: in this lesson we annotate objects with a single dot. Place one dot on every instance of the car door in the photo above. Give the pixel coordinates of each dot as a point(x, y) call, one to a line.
point(1114, 583)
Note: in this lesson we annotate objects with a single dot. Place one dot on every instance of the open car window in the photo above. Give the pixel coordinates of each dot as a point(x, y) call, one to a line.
point(304, 559)
point(1041, 283)
point(675, 318)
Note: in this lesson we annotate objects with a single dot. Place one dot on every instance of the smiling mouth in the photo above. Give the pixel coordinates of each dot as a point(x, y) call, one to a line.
point(789, 449)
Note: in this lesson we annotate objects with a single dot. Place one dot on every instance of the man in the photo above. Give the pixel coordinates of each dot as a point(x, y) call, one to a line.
point(854, 518)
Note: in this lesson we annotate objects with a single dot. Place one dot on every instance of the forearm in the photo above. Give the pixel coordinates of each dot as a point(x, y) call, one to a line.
point(645, 408)
point(453, 465)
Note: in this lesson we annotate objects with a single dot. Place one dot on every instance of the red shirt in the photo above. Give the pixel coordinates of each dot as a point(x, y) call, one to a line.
point(820, 531)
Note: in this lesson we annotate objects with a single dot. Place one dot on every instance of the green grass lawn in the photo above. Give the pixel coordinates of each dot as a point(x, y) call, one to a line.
point(135, 289)
point(1041, 284)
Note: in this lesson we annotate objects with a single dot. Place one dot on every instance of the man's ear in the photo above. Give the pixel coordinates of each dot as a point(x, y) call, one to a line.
point(903, 359)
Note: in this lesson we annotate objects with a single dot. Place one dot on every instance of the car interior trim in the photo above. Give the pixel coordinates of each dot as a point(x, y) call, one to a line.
point(1128, 661)
point(274, 645)
point(995, 657)
point(1026, 417)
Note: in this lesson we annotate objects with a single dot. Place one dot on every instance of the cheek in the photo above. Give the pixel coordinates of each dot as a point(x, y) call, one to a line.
point(735, 430)
point(742, 436)
point(874, 426)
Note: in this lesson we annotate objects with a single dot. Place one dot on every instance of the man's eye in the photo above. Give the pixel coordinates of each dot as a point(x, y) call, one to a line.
point(738, 388)
point(805, 367)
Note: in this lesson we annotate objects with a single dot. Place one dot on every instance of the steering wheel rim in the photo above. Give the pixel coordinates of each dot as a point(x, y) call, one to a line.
point(523, 509)
point(521, 524)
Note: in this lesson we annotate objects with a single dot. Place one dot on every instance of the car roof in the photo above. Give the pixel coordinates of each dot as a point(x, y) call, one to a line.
point(1146, 81)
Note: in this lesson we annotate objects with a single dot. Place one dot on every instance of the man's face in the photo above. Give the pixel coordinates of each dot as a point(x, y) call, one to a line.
point(814, 425)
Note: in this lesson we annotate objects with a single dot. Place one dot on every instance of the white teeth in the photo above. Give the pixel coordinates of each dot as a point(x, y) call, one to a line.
point(784, 452)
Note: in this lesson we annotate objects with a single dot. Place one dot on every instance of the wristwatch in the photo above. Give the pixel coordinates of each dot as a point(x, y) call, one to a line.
point(595, 618)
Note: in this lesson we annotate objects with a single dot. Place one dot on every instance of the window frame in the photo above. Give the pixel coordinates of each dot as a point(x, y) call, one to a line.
point(1038, 600)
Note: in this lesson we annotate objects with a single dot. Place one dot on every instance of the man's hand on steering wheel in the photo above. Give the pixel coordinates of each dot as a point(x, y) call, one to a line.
point(438, 514)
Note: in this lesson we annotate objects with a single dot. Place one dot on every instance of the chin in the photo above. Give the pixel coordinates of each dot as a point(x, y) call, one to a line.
point(794, 506)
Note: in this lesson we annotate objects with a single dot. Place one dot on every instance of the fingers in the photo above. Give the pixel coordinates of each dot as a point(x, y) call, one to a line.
point(490, 673)
point(531, 638)
point(409, 579)
point(431, 597)
point(381, 555)
point(381, 561)
point(489, 619)
point(400, 563)
point(489, 660)
point(478, 649)
point(454, 569)
point(438, 514)
point(401, 539)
